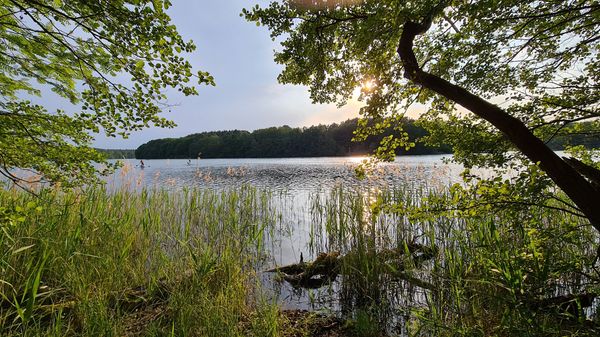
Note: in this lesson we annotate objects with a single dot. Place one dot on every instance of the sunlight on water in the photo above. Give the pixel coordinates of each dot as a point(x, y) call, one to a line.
point(291, 174)
point(357, 160)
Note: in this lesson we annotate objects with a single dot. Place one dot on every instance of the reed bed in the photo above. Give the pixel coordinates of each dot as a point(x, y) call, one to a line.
point(153, 262)
point(134, 263)
point(502, 272)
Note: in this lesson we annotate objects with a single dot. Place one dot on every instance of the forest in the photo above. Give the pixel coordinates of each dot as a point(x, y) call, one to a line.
point(276, 142)
point(314, 141)
point(118, 153)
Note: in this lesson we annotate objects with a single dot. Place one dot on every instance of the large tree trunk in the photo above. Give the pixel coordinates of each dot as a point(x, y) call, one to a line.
point(581, 192)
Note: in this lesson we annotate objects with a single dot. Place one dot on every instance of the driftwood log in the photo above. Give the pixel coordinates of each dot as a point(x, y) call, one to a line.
point(326, 267)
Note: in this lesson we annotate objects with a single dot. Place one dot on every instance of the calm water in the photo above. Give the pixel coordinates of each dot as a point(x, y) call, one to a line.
point(293, 175)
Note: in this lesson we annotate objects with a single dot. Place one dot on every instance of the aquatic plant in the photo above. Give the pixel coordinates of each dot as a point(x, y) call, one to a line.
point(515, 270)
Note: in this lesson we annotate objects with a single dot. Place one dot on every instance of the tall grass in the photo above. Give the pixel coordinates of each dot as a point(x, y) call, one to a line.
point(134, 263)
point(495, 273)
point(184, 263)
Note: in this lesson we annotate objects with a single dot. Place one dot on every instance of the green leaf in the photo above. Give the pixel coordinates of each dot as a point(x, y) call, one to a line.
point(77, 54)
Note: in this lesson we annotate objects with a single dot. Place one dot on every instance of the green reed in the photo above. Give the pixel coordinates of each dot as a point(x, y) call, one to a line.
point(489, 277)
point(147, 262)
point(160, 263)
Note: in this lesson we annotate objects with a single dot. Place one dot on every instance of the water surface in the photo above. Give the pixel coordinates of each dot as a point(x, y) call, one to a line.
point(287, 174)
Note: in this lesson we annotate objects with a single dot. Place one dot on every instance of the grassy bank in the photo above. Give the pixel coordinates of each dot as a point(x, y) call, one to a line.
point(159, 263)
point(151, 263)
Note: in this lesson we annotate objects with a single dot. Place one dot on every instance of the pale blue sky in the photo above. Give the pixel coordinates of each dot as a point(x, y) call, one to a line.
point(240, 57)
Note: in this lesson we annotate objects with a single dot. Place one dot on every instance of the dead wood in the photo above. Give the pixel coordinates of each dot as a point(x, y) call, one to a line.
point(327, 266)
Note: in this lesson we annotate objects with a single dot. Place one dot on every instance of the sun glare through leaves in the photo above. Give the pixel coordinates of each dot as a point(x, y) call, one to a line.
point(368, 85)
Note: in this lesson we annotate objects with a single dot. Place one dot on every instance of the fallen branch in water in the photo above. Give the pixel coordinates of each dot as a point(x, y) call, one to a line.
point(327, 266)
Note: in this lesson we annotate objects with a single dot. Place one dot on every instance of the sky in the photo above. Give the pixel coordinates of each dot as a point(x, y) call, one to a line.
point(247, 96)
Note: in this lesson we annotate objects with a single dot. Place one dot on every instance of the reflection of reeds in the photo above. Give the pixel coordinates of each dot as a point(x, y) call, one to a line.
point(352, 224)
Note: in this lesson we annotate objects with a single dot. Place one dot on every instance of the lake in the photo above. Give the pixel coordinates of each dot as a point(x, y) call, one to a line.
point(284, 174)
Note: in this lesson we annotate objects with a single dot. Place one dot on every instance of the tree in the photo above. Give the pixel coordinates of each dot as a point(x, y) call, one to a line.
point(112, 60)
point(523, 73)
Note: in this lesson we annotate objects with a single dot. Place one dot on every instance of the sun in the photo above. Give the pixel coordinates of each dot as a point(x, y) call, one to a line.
point(368, 85)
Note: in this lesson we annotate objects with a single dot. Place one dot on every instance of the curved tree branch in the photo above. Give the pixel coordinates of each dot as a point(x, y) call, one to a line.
point(581, 191)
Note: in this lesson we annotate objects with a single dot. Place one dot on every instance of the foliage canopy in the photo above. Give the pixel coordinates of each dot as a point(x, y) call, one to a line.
point(528, 71)
point(112, 60)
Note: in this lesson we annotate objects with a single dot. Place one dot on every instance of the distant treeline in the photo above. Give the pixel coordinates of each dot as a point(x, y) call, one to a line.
point(118, 153)
point(277, 142)
point(315, 141)
point(584, 133)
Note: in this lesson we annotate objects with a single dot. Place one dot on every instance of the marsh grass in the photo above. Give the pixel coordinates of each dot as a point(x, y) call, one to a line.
point(154, 262)
point(496, 273)
point(352, 222)
point(134, 263)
